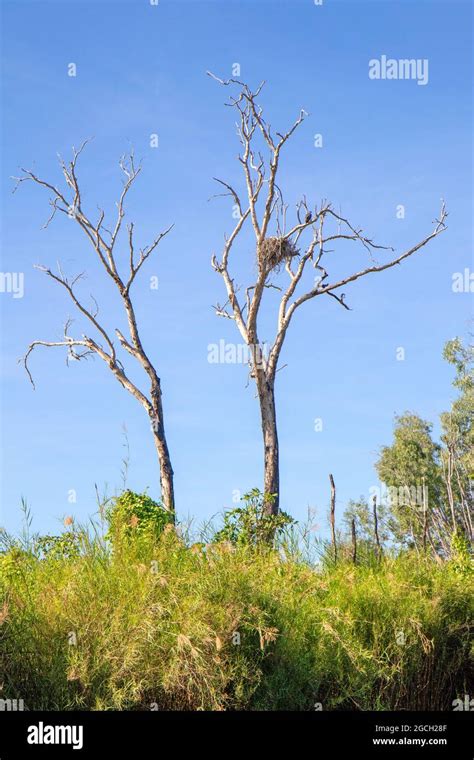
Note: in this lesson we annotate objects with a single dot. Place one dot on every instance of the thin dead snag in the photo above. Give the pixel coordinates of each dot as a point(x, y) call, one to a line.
point(103, 242)
point(332, 516)
point(378, 547)
point(425, 516)
point(354, 541)
point(282, 249)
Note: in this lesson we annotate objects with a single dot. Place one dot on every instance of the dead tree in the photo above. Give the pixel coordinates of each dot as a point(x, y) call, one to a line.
point(425, 516)
point(103, 241)
point(332, 516)
point(354, 541)
point(282, 248)
point(378, 548)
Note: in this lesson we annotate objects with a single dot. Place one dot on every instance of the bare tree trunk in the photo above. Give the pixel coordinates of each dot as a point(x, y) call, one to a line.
point(333, 516)
point(266, 396)
point(161, 445)
point(425, 517)
point(449, 485)
point(354, 541)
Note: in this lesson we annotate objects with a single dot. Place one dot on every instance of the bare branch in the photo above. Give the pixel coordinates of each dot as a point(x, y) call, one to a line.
point(145, 253)
point(251, 119)
point(69, 287)
point(340, 299)
point(440, 226)
point(68, 342)
point(231, 192)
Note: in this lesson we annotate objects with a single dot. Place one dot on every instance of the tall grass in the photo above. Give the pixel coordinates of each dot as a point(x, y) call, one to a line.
point(161, 624)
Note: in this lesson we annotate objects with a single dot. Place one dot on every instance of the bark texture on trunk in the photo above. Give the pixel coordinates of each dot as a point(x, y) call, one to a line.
point(166, 472)
point(161, 445)
point(266, 396)
point(155, 409)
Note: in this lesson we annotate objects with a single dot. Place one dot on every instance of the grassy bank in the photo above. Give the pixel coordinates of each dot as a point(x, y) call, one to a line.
point(173, 626)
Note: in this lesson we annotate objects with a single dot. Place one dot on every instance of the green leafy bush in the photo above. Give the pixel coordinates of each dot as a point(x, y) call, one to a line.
point(132, 516)
point(252, 525)
point(65, 546)
point(12, 563)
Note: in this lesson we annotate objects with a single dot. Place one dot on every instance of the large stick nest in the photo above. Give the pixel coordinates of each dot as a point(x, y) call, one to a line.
point(275, 251)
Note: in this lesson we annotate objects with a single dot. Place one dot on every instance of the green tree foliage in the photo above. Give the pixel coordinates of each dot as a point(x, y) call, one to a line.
point(362, 513)
point(457, 454)
point(430, 483)
point(410, 469)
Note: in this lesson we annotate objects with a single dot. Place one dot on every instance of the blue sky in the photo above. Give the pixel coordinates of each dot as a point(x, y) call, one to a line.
point(141, 70)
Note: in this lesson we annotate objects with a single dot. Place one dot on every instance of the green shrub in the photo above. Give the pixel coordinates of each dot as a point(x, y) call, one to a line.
point(65, 546)
point(13, 563)
point(135, 515)
point(461, 554)
point(251, 525)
